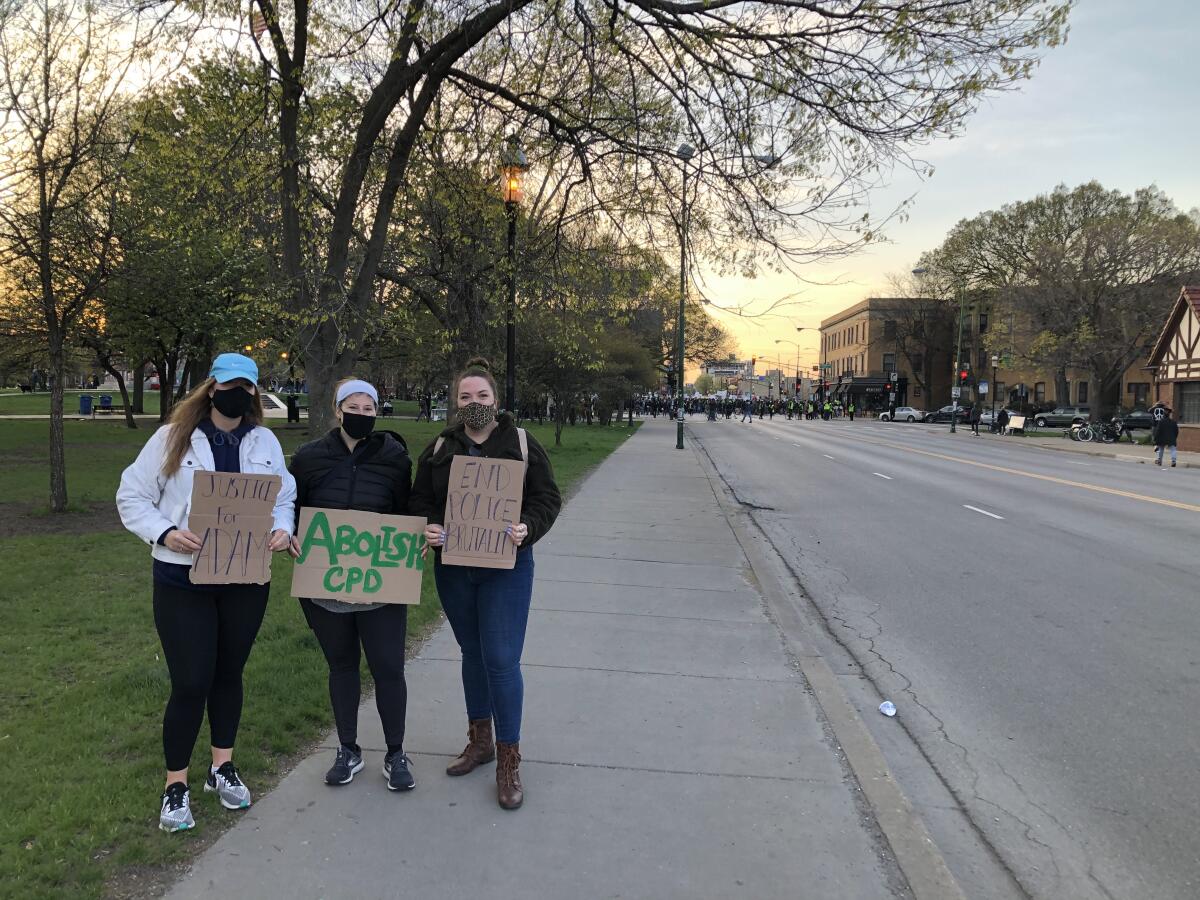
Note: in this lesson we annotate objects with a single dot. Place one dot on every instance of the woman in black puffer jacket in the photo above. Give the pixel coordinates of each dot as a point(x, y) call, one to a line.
point(356, 467)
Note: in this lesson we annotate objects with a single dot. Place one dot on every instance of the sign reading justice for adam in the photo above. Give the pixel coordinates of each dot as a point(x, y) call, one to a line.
point(483, 499)
point(359, 557)
point(233, 515)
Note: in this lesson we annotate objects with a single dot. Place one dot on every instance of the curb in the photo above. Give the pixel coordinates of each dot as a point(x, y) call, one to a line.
point(1124, 457)
point(918, 857)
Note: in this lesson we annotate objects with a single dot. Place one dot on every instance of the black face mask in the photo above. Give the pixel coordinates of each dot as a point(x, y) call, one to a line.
point(357, 425)
point(233, 403)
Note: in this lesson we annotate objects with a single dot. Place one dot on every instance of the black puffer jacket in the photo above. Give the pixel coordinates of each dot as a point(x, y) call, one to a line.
point(377, 479)
point(540, 502)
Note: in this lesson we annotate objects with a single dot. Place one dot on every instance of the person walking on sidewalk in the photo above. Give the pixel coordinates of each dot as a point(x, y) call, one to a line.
point(488, 609)
point(1002, 421)
point(975, 417)
point(356, 467)
point(1166, 434)
point(206, 630)
point(850, 410)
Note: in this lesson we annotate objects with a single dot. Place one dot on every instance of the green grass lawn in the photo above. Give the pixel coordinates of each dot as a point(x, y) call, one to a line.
point(14, 403)
point(85, 685)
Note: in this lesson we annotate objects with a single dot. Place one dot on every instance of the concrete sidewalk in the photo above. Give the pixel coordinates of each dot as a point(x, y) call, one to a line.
point(1123, 450)
point(671, 748)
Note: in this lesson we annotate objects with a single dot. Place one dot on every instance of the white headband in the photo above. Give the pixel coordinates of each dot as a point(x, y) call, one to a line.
point(357, 387)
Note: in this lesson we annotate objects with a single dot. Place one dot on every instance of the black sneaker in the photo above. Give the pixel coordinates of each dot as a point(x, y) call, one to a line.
point(345, 767)
point(396, 771)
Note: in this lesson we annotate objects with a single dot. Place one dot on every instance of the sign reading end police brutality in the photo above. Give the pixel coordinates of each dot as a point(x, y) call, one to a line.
point(483, 499)
point(233, 515)
point(359, 557)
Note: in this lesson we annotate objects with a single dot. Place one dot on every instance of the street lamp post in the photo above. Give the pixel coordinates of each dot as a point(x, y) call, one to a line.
point(513, 165)
point(954, 391)
point(796, 390)
point(685, 152)
point(995, 363)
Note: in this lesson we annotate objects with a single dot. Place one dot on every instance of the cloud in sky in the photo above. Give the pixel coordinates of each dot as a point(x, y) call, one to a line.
point(1116, 104)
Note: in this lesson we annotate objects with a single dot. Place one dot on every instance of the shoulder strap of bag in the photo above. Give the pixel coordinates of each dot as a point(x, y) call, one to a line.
point(522, 439)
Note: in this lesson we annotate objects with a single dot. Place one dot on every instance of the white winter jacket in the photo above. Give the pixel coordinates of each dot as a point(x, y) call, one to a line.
point(150, 503)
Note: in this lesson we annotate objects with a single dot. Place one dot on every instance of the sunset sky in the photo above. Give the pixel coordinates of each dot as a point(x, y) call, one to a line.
point(1117, 103)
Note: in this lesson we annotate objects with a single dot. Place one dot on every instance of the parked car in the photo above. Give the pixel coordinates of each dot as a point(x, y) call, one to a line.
point(1138, 419)
point(947, 412)
point(987, 420)
point(1063, 415)
point(903, 414)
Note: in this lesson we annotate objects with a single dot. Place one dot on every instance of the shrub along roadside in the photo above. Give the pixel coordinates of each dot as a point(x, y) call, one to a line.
point(85, 685)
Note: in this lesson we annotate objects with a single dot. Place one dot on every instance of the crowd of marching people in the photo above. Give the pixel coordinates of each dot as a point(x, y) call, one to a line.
point(745, 409)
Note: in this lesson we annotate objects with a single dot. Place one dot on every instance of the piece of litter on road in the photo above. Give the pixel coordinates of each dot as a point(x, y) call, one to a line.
point(888, 708)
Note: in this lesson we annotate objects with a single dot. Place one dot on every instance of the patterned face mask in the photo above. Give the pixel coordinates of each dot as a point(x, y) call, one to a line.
point(477, 416)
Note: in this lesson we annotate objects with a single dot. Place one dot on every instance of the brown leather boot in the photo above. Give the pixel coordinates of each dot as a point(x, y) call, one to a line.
point(508, 776)
point(480, 749)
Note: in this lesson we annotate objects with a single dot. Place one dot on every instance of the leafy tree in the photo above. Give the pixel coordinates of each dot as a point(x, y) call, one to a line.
point(63, 73)
point(833, 92)
point(1090, 273)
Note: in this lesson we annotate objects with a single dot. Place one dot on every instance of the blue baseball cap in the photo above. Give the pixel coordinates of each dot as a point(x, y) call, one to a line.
point(232, 366)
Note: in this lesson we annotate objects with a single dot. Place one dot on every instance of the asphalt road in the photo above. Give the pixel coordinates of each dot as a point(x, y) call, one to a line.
point(1033, 614)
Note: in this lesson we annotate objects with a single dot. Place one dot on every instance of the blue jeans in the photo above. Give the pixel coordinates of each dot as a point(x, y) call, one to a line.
point(1160, 449)
point(488, 610)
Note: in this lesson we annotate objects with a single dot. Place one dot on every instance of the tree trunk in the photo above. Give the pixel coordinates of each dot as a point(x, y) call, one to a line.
point(139, 389)
point(58, 460)
point(323, 367)
point(1062, 393)
point(106, 364)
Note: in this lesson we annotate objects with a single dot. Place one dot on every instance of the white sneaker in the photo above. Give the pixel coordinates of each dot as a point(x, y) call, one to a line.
point(229, 787)
point(176, 813)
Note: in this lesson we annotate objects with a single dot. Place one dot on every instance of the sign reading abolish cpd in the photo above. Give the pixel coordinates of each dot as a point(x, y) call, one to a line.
point(359, 557)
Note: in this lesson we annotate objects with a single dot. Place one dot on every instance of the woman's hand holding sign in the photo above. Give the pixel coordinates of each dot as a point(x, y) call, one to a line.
point(180, 540)
point(517, 533)
point(280, 540)
point(435, 536)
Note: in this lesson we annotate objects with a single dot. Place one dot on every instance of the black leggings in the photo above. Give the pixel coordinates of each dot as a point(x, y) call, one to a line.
point(381, 634)
point(206, 639)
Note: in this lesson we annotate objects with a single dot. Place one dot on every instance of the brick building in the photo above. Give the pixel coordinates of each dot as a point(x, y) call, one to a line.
point(861, 347)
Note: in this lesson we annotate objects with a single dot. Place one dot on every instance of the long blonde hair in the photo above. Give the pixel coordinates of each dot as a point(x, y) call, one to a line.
point(186, 417)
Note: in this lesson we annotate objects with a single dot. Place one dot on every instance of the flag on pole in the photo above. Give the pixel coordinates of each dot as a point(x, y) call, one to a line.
point(258, 24)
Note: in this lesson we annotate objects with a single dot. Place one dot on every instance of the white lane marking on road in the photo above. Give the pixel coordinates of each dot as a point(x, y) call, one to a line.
point(1071, 462)
point(978, 510)
point(881, 475)
point(827, 456)
point(794, 444)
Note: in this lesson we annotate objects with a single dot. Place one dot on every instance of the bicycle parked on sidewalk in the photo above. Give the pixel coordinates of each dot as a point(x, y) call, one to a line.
point(1101, 432)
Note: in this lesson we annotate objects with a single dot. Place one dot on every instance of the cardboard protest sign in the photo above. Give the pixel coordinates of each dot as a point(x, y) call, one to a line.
point(483, 499)
point(233, 515)
point(359, 557)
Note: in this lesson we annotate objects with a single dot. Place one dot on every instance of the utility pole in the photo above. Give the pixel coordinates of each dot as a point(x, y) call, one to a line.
point(954, 391)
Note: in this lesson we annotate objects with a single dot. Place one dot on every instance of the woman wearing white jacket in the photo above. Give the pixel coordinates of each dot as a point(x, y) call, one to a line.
point(206, 630)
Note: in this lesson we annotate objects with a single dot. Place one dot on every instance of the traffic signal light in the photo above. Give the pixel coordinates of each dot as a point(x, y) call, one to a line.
point(753, 360)
point(963, 375)
point(887, 386)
